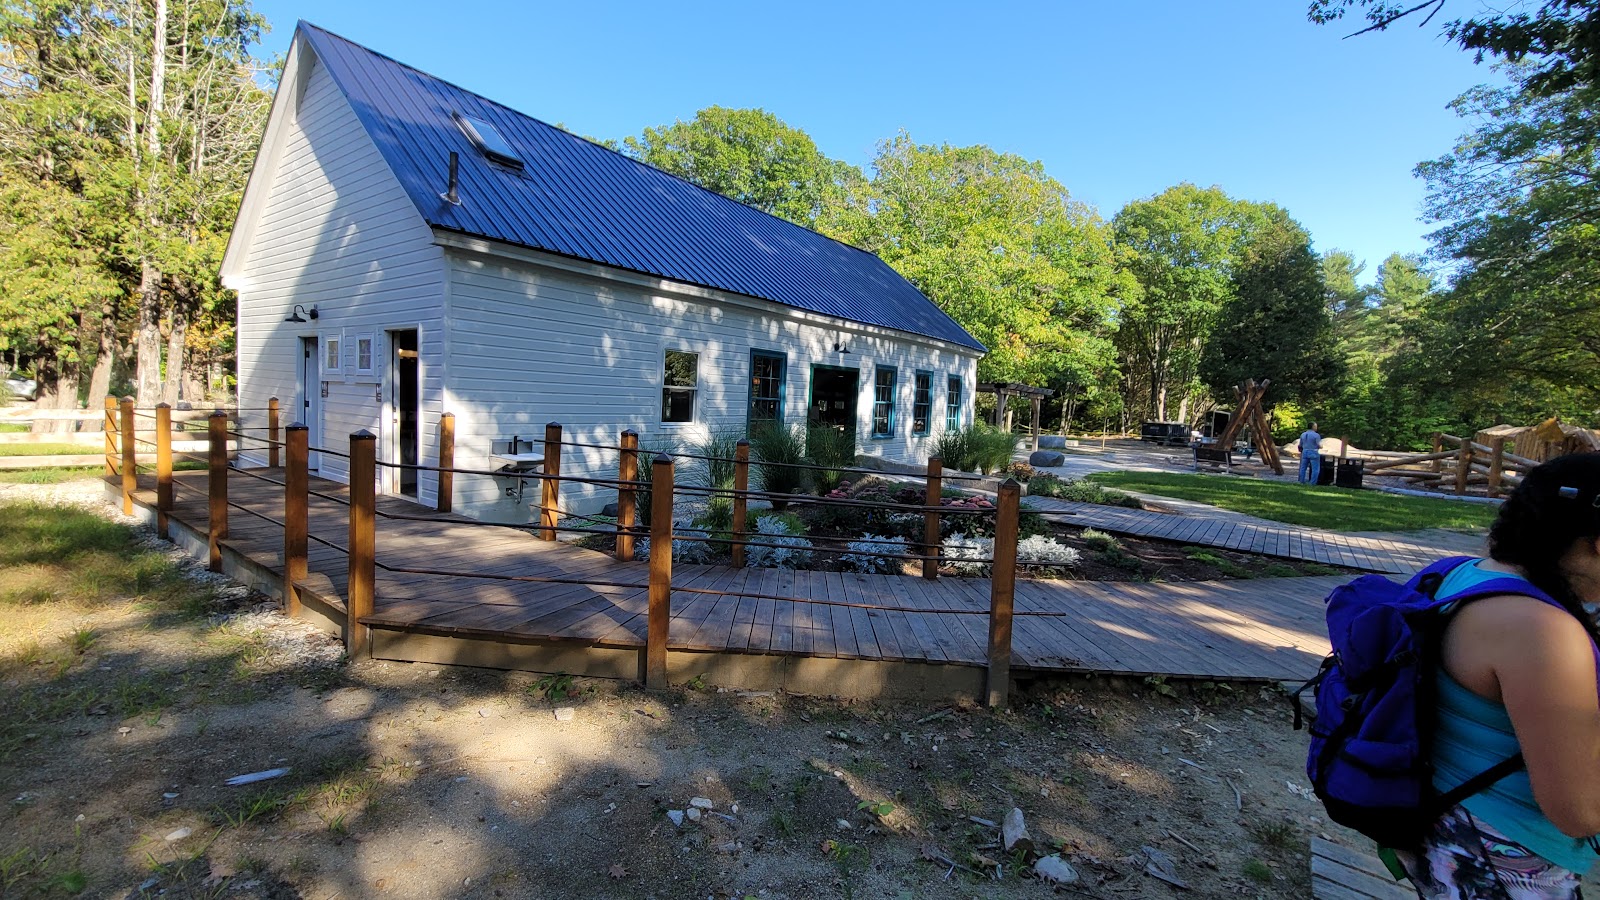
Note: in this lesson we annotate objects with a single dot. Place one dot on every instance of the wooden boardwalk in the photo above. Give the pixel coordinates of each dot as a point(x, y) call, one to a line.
point(1264, 629)
point(1391, 554)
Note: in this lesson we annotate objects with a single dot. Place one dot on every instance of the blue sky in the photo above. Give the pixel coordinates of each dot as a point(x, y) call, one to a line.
point(1119, 100)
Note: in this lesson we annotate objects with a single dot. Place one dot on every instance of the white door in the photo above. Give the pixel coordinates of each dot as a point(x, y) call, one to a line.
point(308, 412)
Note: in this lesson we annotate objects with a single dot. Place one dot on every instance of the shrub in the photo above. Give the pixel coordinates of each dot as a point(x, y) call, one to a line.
point(792, 552)
point(1021, 471)
point(1046, 485)
point(716, 470)
point(968, 555)
point(1039, 550)
point(682, 551)
point(777, 451)
point(832, 447)
point(857, 559)
point(791, 522)
point(1099, 540)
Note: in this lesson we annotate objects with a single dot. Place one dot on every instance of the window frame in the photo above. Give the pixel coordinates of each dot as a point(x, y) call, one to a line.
point(371, 369)
point(953, 401)
point(782, 399)
point(330, 347)
point(894, 387)
point(927, 417)
point(692, 390)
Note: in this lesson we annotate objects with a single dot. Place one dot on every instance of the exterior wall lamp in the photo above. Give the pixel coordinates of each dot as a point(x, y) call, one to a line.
point(295, 314)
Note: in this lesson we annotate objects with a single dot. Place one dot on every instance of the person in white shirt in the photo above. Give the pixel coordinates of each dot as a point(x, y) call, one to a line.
point(1310, 455)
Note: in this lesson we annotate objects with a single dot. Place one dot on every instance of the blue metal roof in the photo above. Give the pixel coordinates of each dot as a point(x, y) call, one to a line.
point(579, 199)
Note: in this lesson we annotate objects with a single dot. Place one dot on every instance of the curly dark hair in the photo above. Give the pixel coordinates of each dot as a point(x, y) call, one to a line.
point(1556, 504)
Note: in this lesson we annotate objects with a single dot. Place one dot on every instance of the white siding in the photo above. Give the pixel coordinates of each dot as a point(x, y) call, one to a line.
point(337, 232)
point(534, 344)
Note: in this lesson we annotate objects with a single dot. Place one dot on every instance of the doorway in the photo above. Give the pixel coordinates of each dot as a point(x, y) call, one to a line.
point(308, 405)
point(403, 367)
point(835, 392)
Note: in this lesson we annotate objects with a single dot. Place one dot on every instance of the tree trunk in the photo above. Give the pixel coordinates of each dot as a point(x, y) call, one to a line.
point(58, 389)
point(147, 339)
point(105, 354)
point(176, 357)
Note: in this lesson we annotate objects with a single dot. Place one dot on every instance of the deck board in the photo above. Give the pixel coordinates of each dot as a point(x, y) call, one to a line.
point(1261, 629)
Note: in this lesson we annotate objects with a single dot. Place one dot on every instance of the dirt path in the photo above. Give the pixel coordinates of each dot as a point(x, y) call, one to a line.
point(419, 781)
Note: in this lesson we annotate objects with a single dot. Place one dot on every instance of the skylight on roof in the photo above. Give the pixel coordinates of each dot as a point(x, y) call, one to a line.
point(487, 139)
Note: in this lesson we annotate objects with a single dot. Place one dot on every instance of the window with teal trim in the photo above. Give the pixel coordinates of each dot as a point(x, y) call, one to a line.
point(952, 407)
point(921, 402)
point(883, 403)
point(766, 389)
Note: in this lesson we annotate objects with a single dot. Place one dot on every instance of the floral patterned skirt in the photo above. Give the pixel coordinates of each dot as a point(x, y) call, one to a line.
point(1465, 859)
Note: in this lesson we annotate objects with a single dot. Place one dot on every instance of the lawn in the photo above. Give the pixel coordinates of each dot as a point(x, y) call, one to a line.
point(51, 449)
point(1336, 509)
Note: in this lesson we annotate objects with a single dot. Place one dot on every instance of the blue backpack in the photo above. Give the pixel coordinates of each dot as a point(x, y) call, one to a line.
point(1371, 742)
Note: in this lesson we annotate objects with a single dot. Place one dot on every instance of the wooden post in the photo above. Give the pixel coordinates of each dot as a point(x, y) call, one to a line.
point(1463, 465)
point(627, 473)
point(274, 434)
point(296, 513)
point(655, 647)
point(931, 545)
point(1438, 447)
point(447, 461)
point(550, 496)
point(1034, 425)
point(217, 478)
point(130, 450)
point(359, 599)
point(163, 470)
point(1497, 464)
point(741, 483)
point(1003, 584)
point(110, 429)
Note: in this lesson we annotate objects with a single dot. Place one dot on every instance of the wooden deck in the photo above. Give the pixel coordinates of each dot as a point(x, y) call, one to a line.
point(1339, 873)
point(1264, 629)
point(1391, 554)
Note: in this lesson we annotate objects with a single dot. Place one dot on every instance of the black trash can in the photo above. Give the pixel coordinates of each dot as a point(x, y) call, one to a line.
point(1325, 471)
point(1348, 473)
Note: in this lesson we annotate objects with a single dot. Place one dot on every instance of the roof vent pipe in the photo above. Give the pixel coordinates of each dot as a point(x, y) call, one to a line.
point(455, 166)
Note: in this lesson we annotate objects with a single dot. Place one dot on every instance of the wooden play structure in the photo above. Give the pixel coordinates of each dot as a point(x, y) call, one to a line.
point(1251, 415)
point(1495, 457)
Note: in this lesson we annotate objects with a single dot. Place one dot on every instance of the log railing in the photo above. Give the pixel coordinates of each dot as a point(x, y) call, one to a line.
point(1456, 462)
point(362, 556)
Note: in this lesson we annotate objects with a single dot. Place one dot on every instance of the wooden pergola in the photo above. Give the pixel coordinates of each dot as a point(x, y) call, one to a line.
point(1004, 391)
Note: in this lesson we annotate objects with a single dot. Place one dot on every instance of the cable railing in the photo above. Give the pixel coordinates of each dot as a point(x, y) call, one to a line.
point(654, 489)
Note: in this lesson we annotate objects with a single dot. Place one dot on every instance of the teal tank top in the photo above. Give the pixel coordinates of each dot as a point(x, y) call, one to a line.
point(1474, 734)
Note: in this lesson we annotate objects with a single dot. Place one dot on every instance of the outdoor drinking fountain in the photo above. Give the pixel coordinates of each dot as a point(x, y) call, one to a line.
point(515, 458)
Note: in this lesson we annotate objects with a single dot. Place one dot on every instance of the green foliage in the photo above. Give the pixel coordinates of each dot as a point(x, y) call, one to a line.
point(834, 447)
point(792, 523)
point(992, 448)
point(1001, 247)
point(778, 451)
point(954, 449)
point(1099, 540)
point(1275, 325)
point(751, 156)
point(1047, 485)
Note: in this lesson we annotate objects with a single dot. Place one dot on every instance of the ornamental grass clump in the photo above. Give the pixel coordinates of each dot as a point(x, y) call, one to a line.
point(834, 448)
point(776, 453)
point(791, 550)
point(860, 558)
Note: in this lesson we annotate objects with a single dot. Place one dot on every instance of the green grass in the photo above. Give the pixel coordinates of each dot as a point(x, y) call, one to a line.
point(7, 449)
point(13, 428)
point(1336, 509)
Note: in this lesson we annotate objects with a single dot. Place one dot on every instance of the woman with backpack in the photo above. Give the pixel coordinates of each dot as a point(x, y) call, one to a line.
point(1517, 675)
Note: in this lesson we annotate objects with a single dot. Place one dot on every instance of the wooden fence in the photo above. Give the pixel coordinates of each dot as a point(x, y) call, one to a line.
point(291, 447)
point(1455, 463)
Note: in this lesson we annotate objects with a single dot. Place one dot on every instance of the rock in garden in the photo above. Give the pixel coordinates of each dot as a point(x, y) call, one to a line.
point(1054, 868)
point(693, 813)
point(609, 510)
point(702, 803)
point(179, 835)
point(1015, 832)
point(565, 713)
point(1046, 458)
point(676, 815)
point(1052, 442)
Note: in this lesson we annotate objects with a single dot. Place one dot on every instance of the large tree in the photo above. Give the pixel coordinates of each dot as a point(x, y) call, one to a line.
point(126, 132)
point(751, 156)
point(1180, 246)
point(1275, 324)
point(1003, 249)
